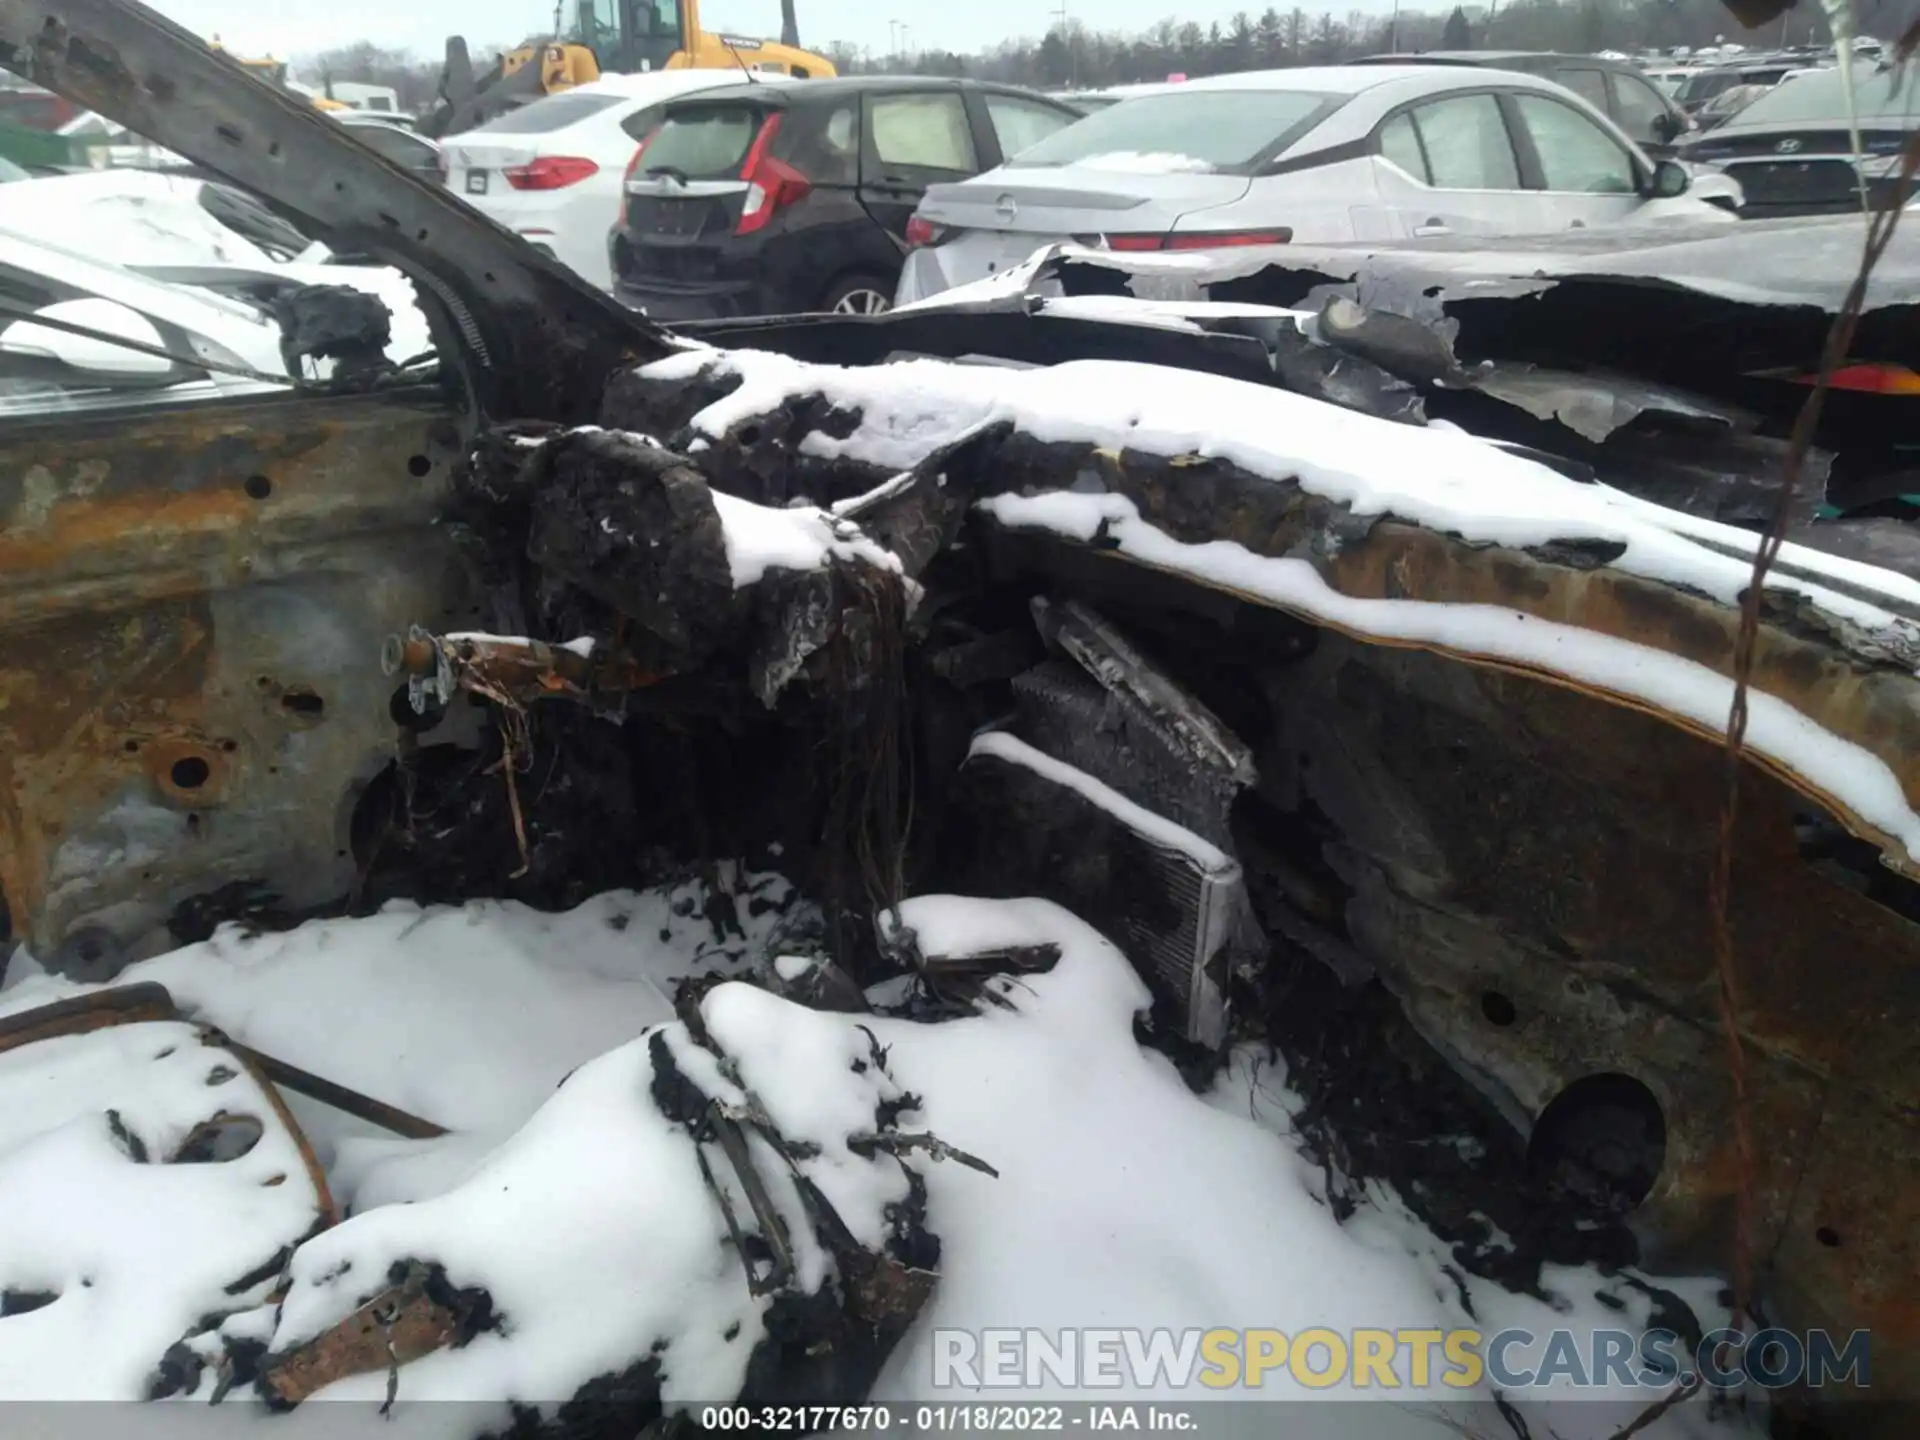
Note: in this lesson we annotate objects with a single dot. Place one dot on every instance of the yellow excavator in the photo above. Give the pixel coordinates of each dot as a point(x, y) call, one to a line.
point(274, 72)
point(619, 37)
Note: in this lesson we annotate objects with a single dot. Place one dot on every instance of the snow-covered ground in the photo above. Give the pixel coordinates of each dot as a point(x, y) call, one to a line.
point(1122, 1199)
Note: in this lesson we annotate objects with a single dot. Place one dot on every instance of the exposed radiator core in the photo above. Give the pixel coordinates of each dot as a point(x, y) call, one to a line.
point(1113, 738)
point(1172, 900)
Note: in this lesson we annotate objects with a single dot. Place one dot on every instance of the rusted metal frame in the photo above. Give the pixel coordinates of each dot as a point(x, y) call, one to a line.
point(523, 670)
point(123, 1005)
point(532, 339)
point(161, 519)
point(1398, 561)
point(329, 1207)
point(401, 1324)
point(299, 443)
point(338, 1097)
point(1868, 706)
point(150, 1003)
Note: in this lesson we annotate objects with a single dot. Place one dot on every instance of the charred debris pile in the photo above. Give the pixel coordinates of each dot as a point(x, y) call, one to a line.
point(709, 648)
point(1455, 898)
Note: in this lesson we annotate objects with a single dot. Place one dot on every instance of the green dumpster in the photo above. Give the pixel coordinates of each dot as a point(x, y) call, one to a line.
point(39, 149)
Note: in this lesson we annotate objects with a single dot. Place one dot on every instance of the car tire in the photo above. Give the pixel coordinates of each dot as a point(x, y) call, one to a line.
point(858, 295)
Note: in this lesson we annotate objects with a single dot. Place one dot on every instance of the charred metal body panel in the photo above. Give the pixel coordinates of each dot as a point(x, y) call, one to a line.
point(188, 597)
point(1526, 868)
point(1523, 869)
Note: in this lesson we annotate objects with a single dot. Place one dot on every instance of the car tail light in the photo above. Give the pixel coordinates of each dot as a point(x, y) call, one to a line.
point(633, 169)
point(772, 184)
point(1871, 379)
point(1223, 239)
point(1199, 239)
point(550, 172)
point(922, 233)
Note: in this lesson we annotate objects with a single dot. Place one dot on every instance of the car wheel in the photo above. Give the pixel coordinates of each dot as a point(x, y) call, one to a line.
point(859, 295)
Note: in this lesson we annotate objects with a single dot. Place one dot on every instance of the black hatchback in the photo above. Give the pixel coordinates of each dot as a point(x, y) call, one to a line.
point(772, 198)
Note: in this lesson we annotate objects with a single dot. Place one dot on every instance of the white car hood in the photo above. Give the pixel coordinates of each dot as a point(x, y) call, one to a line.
point(117, 216)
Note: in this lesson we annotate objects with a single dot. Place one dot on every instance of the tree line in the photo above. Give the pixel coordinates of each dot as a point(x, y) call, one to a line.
point(1074, 54)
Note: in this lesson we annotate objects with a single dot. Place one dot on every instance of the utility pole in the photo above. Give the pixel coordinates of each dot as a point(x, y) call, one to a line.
point(1066, 39)
point(893, 37)
point(1393, 30)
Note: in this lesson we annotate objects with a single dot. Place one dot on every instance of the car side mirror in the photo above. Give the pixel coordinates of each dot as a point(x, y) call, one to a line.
point(98, 359)
point(1665, 128)
point(1671, 179)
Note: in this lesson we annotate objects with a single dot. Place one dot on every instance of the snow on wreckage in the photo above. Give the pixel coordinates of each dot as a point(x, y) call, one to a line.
point(1167, 644)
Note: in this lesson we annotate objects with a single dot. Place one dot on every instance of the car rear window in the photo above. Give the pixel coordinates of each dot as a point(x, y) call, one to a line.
point(396, 145)
point(1821, 97)
point(704, 141)
point(552, 112)
point(1198, 131)
point(1707, 84)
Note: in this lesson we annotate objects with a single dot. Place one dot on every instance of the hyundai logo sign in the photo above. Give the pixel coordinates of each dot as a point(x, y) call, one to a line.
point(1786, 147)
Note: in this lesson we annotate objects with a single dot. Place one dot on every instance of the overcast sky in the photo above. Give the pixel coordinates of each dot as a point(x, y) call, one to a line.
point(295, 27)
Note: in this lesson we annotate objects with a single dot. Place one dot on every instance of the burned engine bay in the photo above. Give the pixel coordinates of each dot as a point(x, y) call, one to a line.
point(1369, 727)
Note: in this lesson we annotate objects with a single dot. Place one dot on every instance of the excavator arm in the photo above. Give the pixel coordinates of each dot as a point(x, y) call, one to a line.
point(531, 338)
point(518, 77)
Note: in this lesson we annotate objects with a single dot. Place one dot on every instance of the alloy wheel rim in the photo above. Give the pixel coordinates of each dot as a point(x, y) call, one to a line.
point(862, 302)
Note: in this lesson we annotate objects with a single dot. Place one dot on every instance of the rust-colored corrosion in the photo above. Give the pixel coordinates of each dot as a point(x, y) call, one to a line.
point(394, 1328)
point(1554, 851)
point(1872, 706)
point(1807, 660)
point(1511, 832)
point(124, 1005)
point(887, 1293)
point(188, 602)
point(317, 1177)
point(517, 669)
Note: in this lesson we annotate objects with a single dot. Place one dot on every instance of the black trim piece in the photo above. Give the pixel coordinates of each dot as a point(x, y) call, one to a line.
point(1313, 160)
point(1533, 172)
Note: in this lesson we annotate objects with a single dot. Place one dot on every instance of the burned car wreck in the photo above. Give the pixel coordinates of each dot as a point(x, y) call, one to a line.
point(1353, 656)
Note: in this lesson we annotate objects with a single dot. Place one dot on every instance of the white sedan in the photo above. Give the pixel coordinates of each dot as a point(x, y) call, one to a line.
point(552, 170)
point(1341, 153)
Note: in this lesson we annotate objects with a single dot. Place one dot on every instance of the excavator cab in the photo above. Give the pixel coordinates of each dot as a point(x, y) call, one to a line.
point(619, 37)
point(636, 35)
